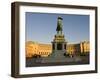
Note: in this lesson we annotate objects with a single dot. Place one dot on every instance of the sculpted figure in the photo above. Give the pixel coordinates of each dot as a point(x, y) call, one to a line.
point(59, 25)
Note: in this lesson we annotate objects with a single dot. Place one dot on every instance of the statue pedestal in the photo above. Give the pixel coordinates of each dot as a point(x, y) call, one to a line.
point(58, 50)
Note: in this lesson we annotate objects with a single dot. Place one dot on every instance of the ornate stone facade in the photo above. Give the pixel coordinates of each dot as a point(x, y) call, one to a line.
point(44, 50)
point(33, 48)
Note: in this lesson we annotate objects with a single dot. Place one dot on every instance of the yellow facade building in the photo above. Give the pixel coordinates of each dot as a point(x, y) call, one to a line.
point(44, 50)
point(34, 48)
point(85, 47)
point(79, 48)
point(73, 49)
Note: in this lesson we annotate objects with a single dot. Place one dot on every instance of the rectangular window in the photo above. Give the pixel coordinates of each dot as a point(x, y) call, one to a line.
point(59, 46)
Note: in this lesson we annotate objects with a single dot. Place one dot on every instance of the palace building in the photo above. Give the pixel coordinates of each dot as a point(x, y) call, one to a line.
point(34, 48)
point(44, 50)
point(79, 48)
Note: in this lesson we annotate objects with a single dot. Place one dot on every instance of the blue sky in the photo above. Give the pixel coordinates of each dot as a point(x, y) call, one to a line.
point(41, 27)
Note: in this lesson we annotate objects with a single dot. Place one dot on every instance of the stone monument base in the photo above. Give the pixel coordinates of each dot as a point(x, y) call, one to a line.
point(59, 57)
